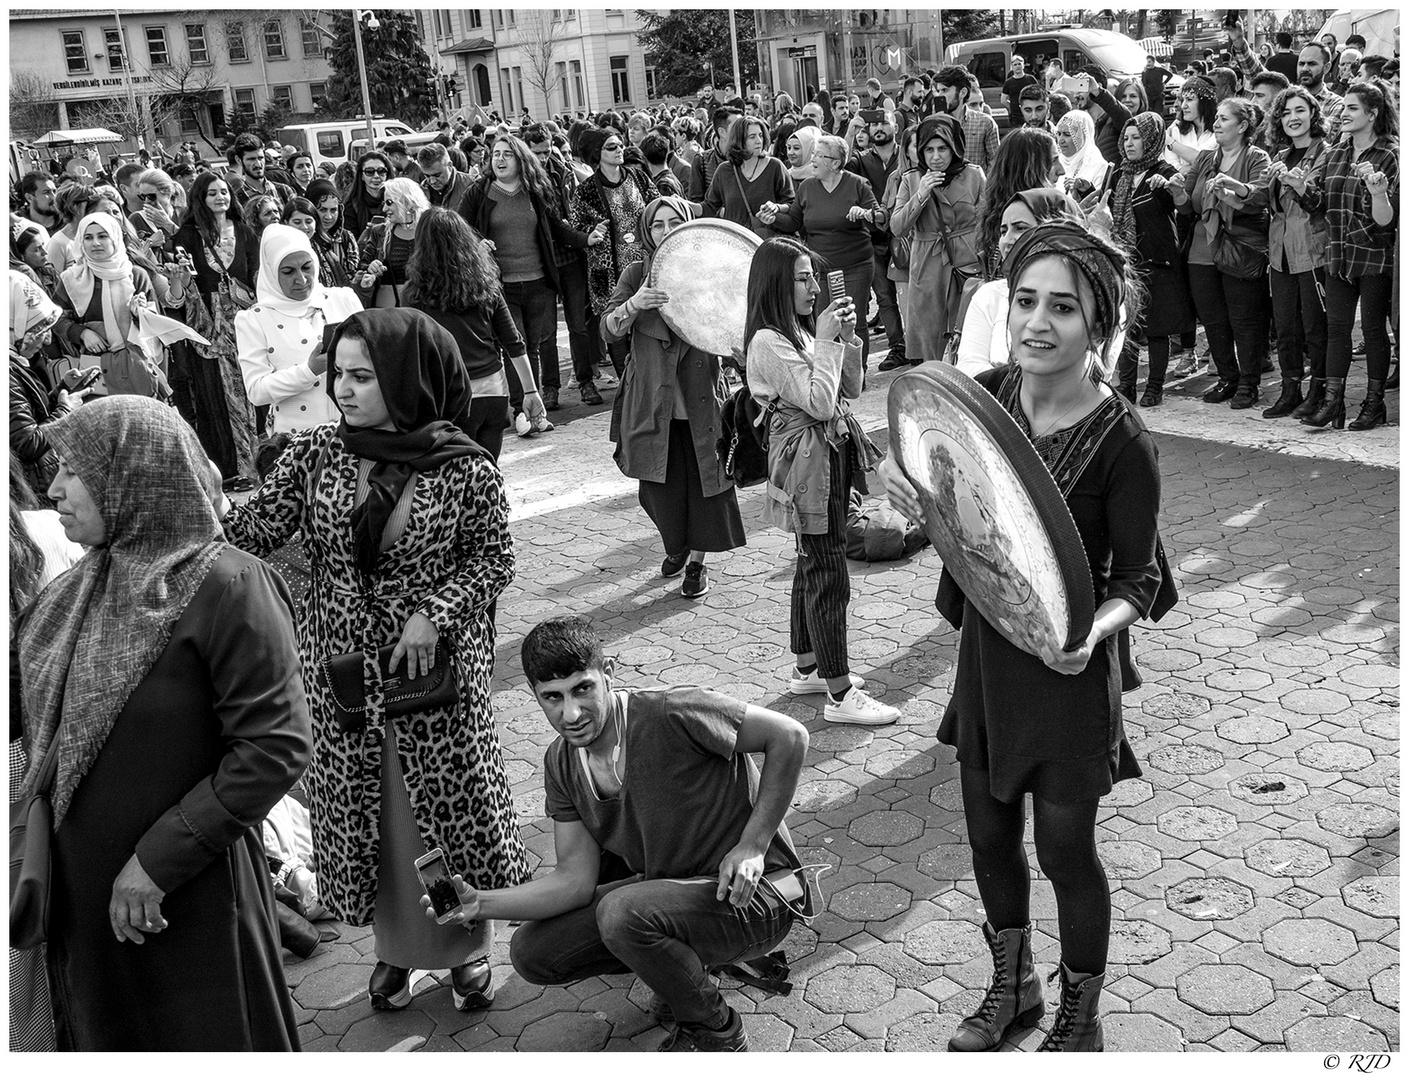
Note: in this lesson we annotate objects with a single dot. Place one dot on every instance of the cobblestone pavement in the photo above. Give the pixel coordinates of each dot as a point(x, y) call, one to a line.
point(1254, 867)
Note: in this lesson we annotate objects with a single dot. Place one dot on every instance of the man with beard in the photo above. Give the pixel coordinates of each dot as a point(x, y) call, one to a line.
point(1312, 67)
point(876, 166)
point(952, 90)
point(38, 192)
point(246, 156)
point(912, 104)
point(1033, 105)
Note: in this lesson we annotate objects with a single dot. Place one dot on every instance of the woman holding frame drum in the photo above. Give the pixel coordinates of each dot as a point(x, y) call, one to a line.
point(1051, 725)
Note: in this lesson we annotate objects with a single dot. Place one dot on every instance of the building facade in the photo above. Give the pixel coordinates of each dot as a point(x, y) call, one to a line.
point(545, 60)
point(834, 49)
point(188, 72)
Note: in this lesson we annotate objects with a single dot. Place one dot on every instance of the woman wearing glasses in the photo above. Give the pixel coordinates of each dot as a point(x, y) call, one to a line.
point(364, 202)
point(386, 247)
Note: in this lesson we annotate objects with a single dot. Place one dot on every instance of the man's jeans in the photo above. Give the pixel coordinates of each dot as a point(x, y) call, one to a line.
point(586, 348)
point(668, 932)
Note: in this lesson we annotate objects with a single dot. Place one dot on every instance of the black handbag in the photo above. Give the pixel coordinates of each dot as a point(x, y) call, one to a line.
point(743, 441)
point(402, 694)
point(31, 834)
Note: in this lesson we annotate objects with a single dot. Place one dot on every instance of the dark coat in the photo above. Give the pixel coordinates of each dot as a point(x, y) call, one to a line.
point(244, 267)
point(30, 410)
point(551, 231)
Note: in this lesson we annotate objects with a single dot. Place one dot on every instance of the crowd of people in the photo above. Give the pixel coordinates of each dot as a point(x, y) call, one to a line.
point(352, 348)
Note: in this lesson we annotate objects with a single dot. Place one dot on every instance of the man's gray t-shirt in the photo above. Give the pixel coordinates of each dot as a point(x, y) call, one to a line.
point(686, 795)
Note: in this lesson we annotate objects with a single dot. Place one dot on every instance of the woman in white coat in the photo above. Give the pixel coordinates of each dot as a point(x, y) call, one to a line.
point(280, 338)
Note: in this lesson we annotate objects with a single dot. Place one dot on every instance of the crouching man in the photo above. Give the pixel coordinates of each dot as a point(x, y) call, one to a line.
point(659, 785)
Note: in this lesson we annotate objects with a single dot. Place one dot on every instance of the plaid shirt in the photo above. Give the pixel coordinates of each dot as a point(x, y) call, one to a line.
point(1357, 244)
point(980, 138)
point(1330, 102)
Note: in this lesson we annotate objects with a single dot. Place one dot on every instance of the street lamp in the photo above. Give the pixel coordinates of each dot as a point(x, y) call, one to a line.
point(374, 25)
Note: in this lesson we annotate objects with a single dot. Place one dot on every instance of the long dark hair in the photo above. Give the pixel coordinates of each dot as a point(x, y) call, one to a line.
point(531, 171)
point(770, 297)
point(1373, 95)
point(319, 190)
point(1024, 161)
point(1207, 107)
point(1277, 138)
point(199, 213)
point(449, 268)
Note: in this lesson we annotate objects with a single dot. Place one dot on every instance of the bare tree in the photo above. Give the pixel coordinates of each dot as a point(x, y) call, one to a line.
point(538, 37)
point(184, 87)
point(33, 107)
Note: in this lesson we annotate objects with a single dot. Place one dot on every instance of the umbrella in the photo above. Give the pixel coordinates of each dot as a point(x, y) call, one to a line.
point(80, 135)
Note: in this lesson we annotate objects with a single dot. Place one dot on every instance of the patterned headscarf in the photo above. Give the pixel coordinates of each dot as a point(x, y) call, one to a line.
point(1150, 127)
point(1101, 266)
point(96, 631)
point(949, 131)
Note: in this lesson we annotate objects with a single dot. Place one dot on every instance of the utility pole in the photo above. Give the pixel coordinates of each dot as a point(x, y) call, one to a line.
point(734, 45)
point(362, 71)
point(137, 125)
point(846, 51)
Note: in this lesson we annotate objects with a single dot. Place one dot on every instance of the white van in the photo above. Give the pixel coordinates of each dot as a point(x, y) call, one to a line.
point(990, 59)
point(329, 142)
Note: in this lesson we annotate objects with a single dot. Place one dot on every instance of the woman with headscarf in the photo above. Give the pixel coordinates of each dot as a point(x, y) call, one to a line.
point(1081, 158)
point(1051, 725)
point(666, 432)
point(608, 205)
point(406, 527)
point(32, 404)
point(801, 145)
point(1141, 221)
point(334, 245)
point(29, 253)
point(281, 338)
point(163, 669)
point(937, 207)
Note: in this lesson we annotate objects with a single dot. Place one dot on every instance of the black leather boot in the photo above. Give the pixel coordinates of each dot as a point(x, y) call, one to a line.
point(1077, 1025)
point(1014, 998)
point(1289, 399)
point(1332, 410)
point(1315, 394)
point(1220, 391)
point(1372, 410)
point(296, 933)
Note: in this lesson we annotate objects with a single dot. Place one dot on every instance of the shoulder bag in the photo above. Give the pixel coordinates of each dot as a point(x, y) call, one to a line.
point(755, 223)
point(31, 834)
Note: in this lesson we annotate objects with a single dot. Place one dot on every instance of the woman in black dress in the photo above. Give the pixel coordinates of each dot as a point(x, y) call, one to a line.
point(1051, 725)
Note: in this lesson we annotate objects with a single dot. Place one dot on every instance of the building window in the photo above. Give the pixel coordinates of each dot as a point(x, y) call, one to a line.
point(274, 40)
point(318, 91)
point(498, 18)
point(112, 41)
point(235, 42)
point(244, 99)
point(282, 97)
point(577, 83)
point(518, 87)
point(651, 94)
point(482, 87)
point(195, 43)
point(508, 90)
point(75, 51)
point(156, 46)
point(621, 81)
point(312, 40)
point(561, 72)
point(474, 20)
point(189, 124)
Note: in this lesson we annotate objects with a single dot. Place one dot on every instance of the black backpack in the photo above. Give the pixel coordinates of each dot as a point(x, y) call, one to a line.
point(743, 440)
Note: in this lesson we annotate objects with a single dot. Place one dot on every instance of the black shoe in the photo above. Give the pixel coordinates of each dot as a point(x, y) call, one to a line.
point(1127, 391)
point(1286, 404)
point(1332, 408)
point(696, 582)
point(673, 564)
point(1220, 392)
point(590, 394)
point(472, 986)
point(1245, 398)
point(696, 1037)
point(1372, 412)
point(1153, 396)
point(549, 394)
point(389, 987)
point(1315, 394)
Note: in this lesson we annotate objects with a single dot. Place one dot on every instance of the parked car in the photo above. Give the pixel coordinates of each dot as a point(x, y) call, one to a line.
point(330, 142)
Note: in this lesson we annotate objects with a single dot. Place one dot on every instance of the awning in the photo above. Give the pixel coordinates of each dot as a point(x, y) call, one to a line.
point(1157, 47)
point(78, 135)
point(473, 45)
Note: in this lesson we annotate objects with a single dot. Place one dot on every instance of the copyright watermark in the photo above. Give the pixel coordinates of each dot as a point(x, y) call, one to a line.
point(1361, 1063)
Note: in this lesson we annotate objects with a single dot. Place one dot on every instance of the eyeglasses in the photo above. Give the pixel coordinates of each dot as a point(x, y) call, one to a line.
point(148, 196)
point(806, 279)
point(612, 146)
point(373, 172)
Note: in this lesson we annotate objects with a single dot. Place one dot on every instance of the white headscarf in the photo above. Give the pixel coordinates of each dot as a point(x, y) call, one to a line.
point(115, 272)
point(1088, 163)
point(276, 244)
point(30, 307)
point(807, 137)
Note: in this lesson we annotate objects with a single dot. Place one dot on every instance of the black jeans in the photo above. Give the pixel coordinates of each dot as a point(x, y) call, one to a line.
point(572, 287)
point(486, 422)
point(886, 301)
point(1304, 291)
point(1233, 312)
point(534, 307)
point(1127, 367)
point(858, 287)
point(1373, 292)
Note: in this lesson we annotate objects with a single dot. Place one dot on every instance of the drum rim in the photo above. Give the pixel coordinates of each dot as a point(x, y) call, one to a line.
point(714, 225)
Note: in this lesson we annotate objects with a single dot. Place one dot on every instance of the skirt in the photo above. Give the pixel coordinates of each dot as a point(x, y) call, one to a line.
point(686, 518)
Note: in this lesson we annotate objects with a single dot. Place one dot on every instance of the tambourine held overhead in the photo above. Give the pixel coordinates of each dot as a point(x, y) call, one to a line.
point(992, 510)
point(704, 266)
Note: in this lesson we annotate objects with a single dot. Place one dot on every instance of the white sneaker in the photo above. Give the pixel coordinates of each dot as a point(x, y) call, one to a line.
point(814, 684)
point(607, 378)
point(859, 707)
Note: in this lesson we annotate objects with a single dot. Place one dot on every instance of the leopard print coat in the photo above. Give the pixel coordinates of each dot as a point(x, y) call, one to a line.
point(453, 559)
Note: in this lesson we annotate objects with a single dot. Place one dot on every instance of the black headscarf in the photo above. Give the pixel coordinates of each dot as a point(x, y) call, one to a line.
point(427, 393)
point(944, 127)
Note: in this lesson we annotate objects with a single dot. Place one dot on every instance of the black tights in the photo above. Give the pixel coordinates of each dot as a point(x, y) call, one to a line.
point(1065, 835)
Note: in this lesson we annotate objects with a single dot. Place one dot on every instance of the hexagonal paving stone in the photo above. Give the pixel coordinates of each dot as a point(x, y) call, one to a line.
point(401, 1030)
point(850, 988)
point(1316, 1033)
point(1335, 756)
point(1376, 896)
point(926, 1033)
point(1189, 760)
point(333, 987)
point(948, 862)
point(1287, 858)
point(945, 942)
point(818, 795)
point(1127, 859)
point(1176, 706)
point(565, 1031)
point(1384, 986)
point(1309, 941)
point(886, 828)
point(1209, 898)
point(839, 739)
point(947, 796)
point(870, 903)
point(1196, 823)
point(1252, 730)
point(1313, 701)
point(1224, 989)
point(1358, 819)
point(1268, 789)
point(900, 764)
point(1136, 941)
point(1129, 793)
point(1140, 1031)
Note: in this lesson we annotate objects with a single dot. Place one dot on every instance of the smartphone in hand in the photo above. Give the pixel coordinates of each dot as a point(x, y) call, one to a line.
point(328, 331)
point(435, 875)
point(836, 285)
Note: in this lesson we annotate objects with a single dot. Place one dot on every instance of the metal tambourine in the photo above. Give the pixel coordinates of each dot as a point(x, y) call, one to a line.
point(704, 267)
point(992, 509)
